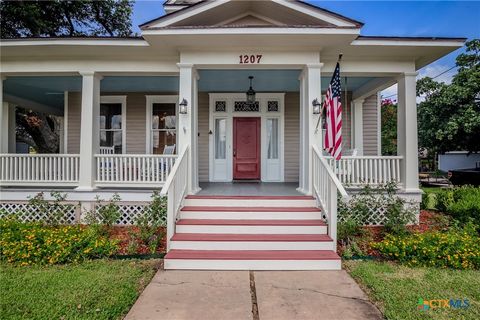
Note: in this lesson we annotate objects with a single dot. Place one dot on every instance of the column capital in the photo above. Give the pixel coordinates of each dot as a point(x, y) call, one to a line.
point(358, 101)
point(185, 65)
point(318, 65)
point(91, 74)
point(409, 74)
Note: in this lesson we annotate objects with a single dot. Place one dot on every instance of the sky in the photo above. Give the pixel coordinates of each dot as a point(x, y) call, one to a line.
point(387, 18)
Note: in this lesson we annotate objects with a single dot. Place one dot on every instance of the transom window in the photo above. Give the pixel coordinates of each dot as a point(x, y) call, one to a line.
point(163, 127)
point(243, 106)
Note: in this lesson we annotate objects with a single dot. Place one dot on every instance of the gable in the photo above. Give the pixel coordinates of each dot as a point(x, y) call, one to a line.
point(232, 13)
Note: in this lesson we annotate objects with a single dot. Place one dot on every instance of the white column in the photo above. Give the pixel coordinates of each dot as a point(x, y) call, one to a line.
point(407, 138)
point(303, 157)
point(89, 129)
point(3, 120)
point(313, 91)
point(358, 126)
point(187, 122)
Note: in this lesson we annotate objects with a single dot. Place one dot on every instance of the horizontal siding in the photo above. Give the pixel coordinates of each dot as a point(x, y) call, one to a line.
point(136, 123)
point(370, 126)
point(203, 138)
point(74, 112)
point(292, 136)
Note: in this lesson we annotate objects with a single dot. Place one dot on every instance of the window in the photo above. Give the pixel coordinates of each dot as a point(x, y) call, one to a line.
point(220, 138)
point(272, 106)
point(111, 126)
point(272, 138)
point(220, 106)
point(163, 127)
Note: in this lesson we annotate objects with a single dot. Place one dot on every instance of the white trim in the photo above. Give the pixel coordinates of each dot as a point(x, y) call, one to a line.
point(150, 100)
point(379, 123)
point(123, 101)
point(324, 16)
point(263, 114)
point(65, 121)
point(251, 31)
point(75, 42)
point(408, 43)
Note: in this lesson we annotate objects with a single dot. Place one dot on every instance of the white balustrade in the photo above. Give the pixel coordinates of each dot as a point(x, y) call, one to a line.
point(175, 188)
point(28, 169)
point(358, 171)
point(326, 187)
point(132, 168)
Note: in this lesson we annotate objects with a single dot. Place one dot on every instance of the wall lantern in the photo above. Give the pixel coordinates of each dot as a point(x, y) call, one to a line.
point(316, 106)
point(183, 106)
point(250, 92)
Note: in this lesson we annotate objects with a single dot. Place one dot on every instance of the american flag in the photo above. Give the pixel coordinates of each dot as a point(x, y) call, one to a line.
point(333, 107)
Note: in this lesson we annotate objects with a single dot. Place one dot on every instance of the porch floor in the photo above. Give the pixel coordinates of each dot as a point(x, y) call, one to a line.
point(249, 189)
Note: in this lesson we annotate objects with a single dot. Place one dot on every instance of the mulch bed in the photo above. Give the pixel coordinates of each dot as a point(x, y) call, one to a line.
point(126, 235)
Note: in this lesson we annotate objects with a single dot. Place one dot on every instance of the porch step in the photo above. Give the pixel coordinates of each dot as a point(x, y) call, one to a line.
point(251, 233)
point(260, 213)
point(251, 226)
point(252, 259)
point(249, 201)
point(202, 241)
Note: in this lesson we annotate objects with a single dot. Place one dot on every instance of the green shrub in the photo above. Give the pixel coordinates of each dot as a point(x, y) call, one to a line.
point(382, 199)
point(52, 212)
point(457, 248)
point(462, 203)
point(151, 221)
point(36, 243)
point(103, 216)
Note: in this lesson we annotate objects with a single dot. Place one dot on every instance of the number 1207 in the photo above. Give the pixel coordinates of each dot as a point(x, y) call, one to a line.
point(249, 59)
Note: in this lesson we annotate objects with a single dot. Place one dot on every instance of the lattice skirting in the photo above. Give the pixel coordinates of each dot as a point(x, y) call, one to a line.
point(71, 212)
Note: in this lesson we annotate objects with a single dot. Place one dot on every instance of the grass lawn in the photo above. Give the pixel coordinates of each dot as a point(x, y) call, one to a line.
point(101, 289)
point(396, 289)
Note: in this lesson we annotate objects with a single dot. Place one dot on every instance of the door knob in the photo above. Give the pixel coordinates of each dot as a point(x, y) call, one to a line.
point(234, 153)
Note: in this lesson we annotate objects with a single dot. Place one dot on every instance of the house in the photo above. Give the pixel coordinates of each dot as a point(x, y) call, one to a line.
point(169, 110)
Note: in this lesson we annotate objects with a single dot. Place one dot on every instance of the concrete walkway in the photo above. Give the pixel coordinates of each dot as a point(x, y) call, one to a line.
point(259, 295)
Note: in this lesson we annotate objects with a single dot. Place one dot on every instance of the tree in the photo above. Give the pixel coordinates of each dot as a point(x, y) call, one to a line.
point(65, 18)
point(449, 117)
point(37, 130)
point(389, 127)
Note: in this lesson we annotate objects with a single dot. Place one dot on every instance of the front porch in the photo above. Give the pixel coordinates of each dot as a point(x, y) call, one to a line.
point(140, 120)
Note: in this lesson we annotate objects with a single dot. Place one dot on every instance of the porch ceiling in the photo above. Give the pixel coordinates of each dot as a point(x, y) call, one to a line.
point(264, 81)
point(48, 90)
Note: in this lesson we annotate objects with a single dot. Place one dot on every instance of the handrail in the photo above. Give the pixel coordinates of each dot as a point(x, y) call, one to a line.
point(330, 172)
point(326, 187)
point(175, 189)
point(173, 172)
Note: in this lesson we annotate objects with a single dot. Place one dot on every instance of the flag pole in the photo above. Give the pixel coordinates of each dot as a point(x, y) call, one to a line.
point(323, 104)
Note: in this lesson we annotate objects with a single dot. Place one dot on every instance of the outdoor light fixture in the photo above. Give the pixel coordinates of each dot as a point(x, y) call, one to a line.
point(183, 106)
point(250, 92)
point(316, 106)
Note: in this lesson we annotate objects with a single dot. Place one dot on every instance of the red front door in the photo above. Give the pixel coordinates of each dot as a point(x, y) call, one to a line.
point(246, 148)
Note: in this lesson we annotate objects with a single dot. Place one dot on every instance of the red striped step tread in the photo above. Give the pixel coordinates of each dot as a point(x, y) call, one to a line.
point(250, 237)
point(250, 209)
point(244, 222)
point(252, 254)
point(251, 197)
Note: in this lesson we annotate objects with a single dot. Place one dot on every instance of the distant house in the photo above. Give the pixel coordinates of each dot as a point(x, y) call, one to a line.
point(169, 110)
point(458, 160)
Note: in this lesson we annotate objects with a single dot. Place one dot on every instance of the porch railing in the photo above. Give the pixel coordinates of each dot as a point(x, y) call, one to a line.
point(326, 187)
point(133, 169)
point(373, 170)
point(35, 169)
point(175, 188)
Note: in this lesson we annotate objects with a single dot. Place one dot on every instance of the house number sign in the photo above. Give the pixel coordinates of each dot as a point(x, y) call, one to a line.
point(250, 58)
